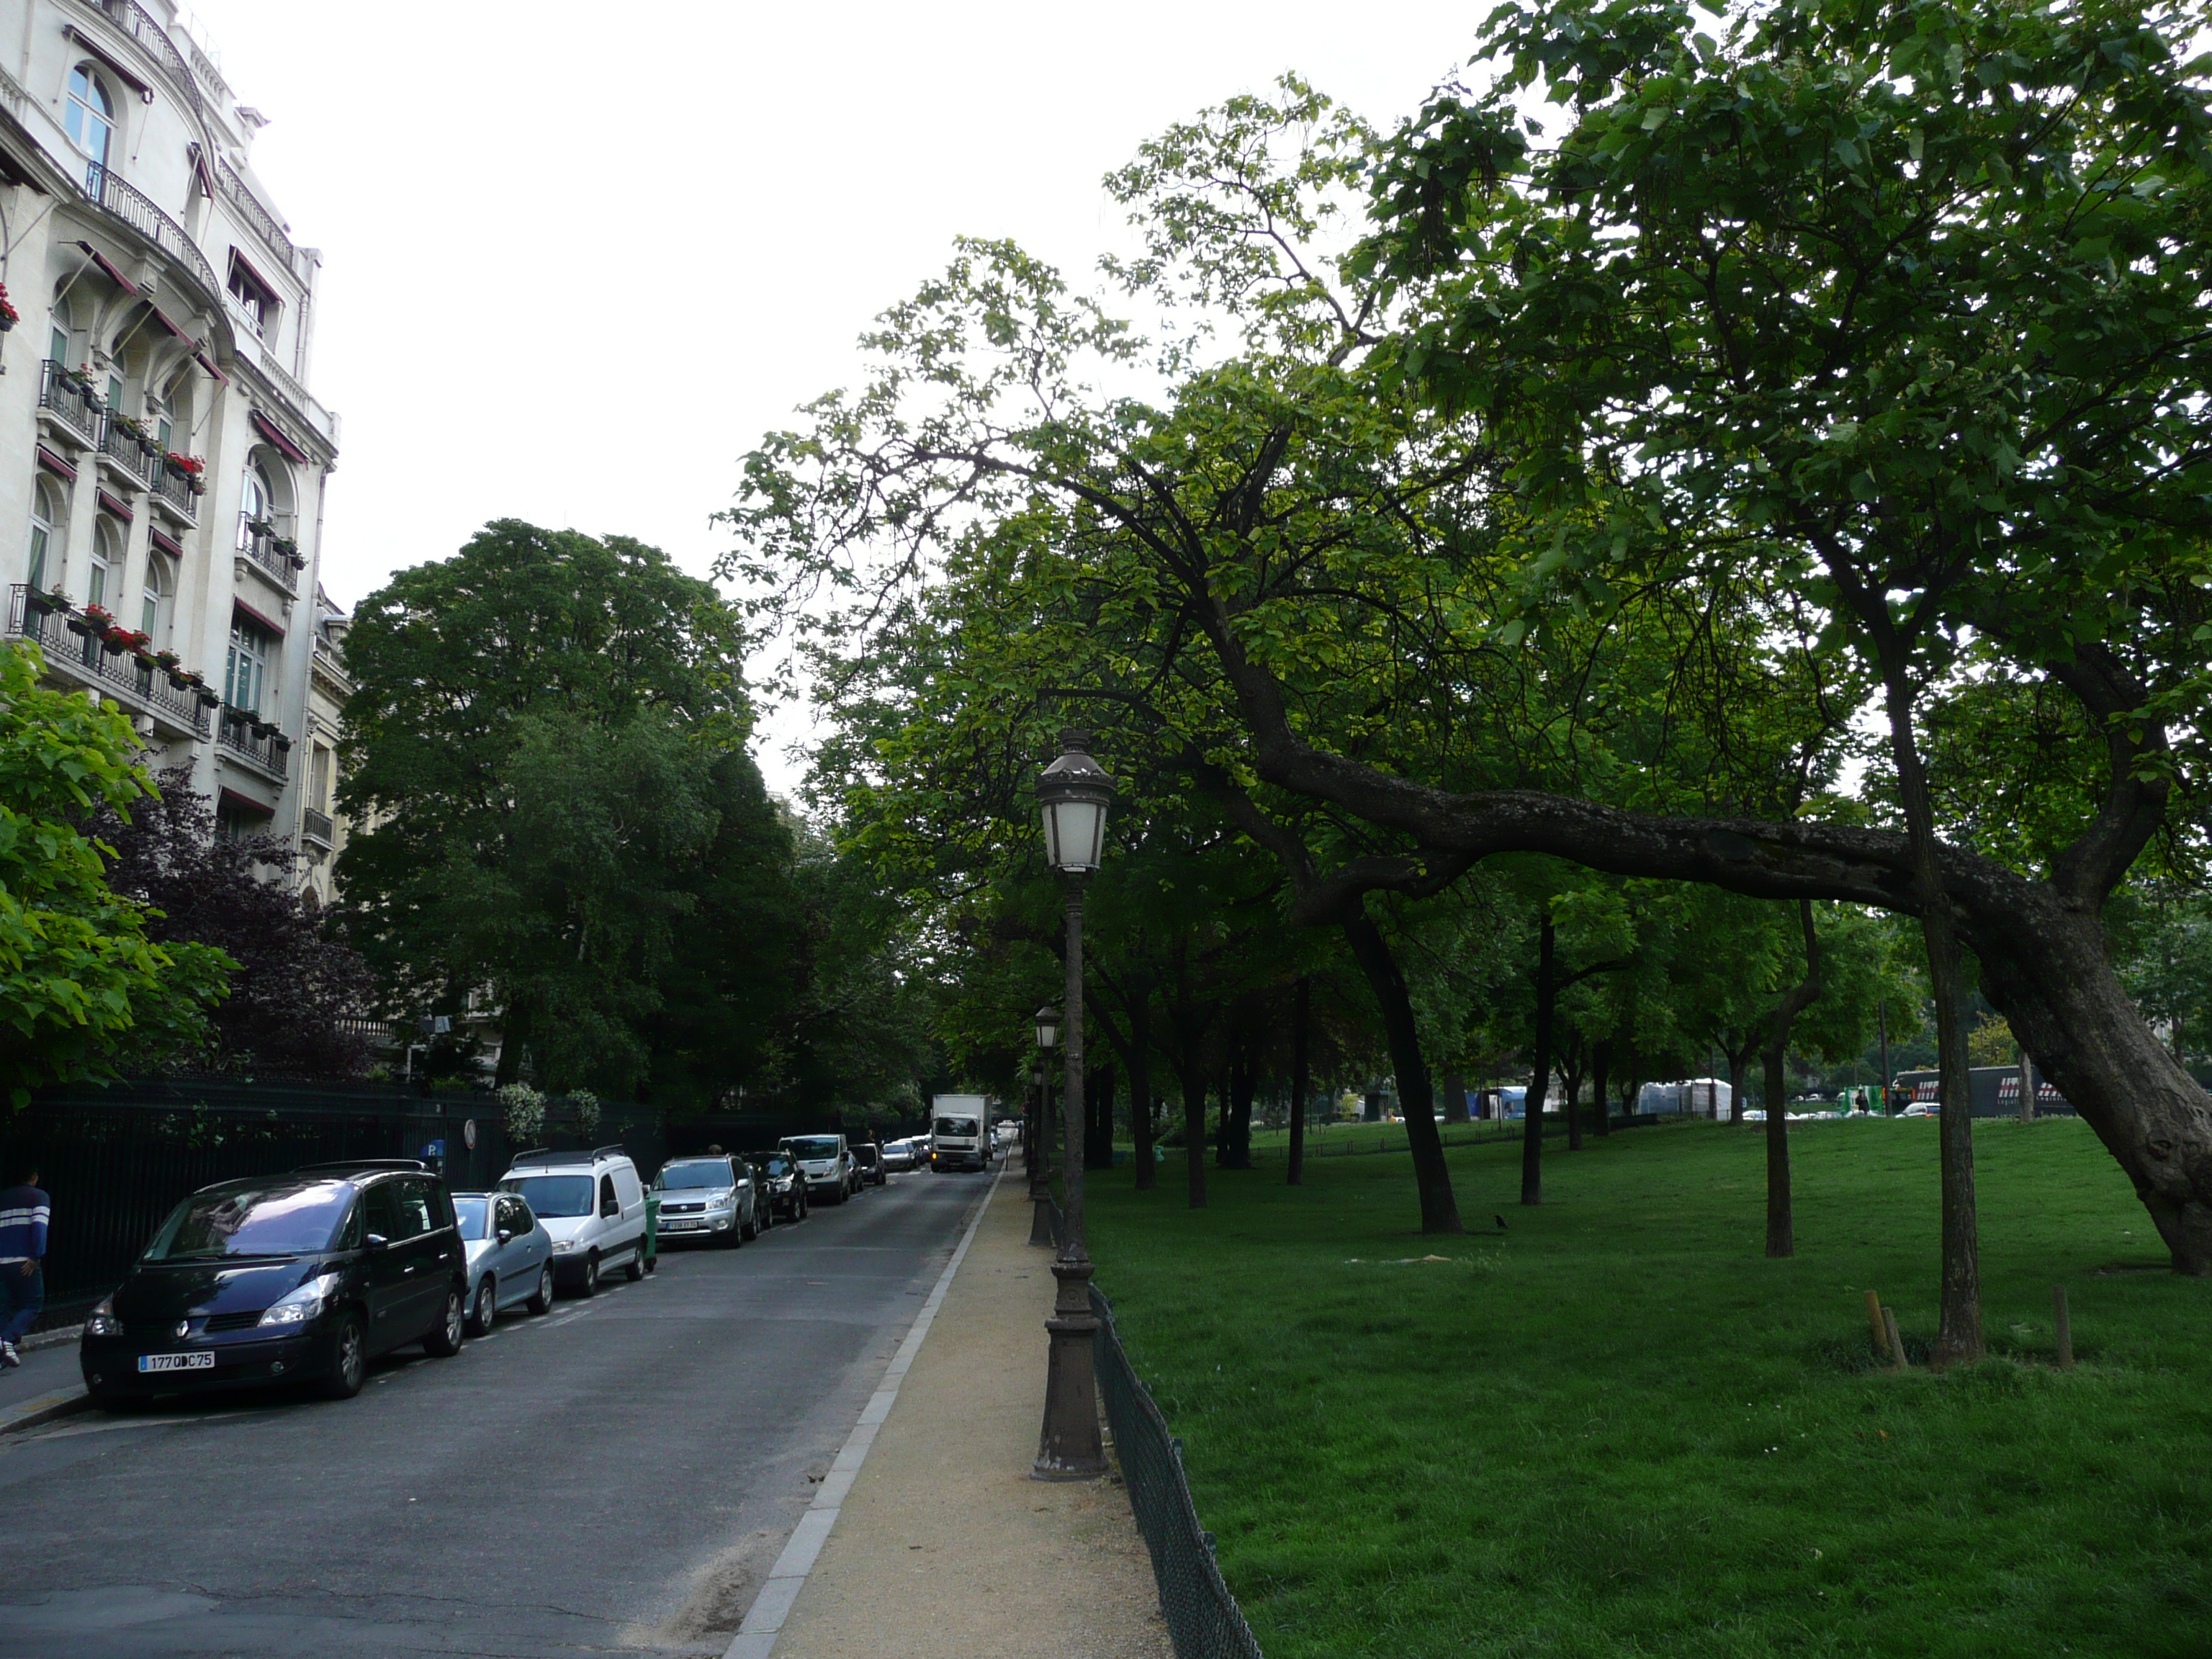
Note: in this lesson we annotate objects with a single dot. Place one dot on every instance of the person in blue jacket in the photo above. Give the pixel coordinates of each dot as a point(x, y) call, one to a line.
point(24, 1211)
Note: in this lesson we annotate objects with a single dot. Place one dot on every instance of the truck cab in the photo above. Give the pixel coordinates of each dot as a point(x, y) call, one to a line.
point(960, 1133)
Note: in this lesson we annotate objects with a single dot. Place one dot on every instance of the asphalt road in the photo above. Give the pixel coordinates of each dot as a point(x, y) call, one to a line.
point(616, 1476)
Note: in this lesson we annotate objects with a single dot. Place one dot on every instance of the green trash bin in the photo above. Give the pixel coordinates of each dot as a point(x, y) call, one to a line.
point(652, 1230)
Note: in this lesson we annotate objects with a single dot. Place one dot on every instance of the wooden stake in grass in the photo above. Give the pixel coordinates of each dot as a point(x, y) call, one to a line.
point(1897, 1360)
point(2065, 1329)
point(1874, 1320)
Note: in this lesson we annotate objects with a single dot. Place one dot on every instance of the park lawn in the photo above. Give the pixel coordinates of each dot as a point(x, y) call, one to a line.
point(1617, 1429)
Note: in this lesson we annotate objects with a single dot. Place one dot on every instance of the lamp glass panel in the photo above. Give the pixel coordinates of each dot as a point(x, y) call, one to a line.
point(1074, 833)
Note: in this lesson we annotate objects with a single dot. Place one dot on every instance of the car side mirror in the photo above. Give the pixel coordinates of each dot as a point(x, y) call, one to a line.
point(506, 1235)
point(374, 1242)
point(612, 1207)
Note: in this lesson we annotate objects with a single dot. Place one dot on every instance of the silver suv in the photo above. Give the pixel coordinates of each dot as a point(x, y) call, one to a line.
point(712, 1197)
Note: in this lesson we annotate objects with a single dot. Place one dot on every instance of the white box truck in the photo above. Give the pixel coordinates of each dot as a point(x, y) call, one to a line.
point(960, 1133)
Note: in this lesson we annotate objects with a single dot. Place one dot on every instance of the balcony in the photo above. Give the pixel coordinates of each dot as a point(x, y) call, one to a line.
point(137, 458)
point(316, 827)
point(269, 750)
point(69, 401)
point(83, 658)
point(271, 552)
point(135, 21)
point(138, 212)
point(174, 489)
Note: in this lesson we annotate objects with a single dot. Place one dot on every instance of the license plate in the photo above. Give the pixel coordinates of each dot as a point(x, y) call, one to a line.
point(678, 1226)
point(175, 1361)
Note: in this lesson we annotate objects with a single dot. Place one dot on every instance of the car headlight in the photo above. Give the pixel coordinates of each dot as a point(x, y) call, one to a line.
point(101, 1321)
point(304, 1303)
point(563, 1246)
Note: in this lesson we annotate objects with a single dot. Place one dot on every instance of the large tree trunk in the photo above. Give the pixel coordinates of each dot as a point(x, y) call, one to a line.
point(1301, 1011)
point(1738, 1064)
point(1098, 1109)
point(1140, 1082)
point(1194, 1128)
point(1571, 1081)
point(1455, 1097)
point(1237, 1113)
point(1531, 1112)
point(514, 1033)
point(1781, 1232)
point(1416, 1094)
point(1225, 1123)
point(2026, 1074)
point(1601, 1057)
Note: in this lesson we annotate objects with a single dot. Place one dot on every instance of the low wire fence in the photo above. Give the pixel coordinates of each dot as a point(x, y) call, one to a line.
point(1203, 1619)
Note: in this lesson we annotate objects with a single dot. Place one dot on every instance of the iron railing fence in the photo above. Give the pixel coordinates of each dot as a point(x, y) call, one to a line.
point(315, 826)
point(174, 487)
point(137, 210)
point(76, 403)
point(115, 1161)
point(31, 617)
point(272, 561)
point(135, 21)
point(140, 458)
point(1203, 1619)
point(272, 752)
point(257, 217)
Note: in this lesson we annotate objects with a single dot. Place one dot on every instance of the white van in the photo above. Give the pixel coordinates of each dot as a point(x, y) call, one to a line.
point(592, 1204)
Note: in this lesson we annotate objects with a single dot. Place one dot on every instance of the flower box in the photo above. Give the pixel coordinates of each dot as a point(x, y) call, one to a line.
point(209, 699)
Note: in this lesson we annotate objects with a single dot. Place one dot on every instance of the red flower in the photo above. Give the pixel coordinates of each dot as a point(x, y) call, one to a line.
point(7, 310)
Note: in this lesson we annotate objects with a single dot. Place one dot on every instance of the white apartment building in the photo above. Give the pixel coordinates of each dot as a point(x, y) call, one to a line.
point(163, 463)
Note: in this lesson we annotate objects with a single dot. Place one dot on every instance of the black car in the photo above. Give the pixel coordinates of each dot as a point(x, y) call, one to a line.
point(869, 1157)
point(299, 1277)
point(786, 1186)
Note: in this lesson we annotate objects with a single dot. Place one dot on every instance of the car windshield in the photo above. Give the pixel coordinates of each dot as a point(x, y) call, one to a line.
point(864, 1154)
point(777, 1164)
point(814, 1146)
point(472, 1213)
point(283, 1217)
point(955, 1126)
point(552, 1195)
point(713, 1172)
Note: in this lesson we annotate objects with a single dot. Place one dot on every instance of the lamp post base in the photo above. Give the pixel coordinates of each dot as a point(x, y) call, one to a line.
point(1071, 1447)
point(1041, 1220)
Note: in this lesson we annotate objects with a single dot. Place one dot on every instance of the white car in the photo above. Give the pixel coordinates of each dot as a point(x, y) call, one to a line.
point(592, 1204)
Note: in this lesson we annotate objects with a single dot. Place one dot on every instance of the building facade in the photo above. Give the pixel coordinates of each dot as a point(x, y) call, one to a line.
point(163, 463)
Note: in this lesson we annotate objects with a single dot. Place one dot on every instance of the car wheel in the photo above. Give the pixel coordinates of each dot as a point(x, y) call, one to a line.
point(634, 1269)
point(543, 1301)
point(748, 1229)
point(485, 1307)
point(444, 1341)
point(349, 1359)
point(591, 1284)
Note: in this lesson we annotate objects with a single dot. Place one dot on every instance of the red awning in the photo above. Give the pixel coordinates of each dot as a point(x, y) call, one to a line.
point(107, 265)
point(269, 430)
point(129, 78)
point(111, 504)
point(168, 544)
point(200, 166)
point(55, 465)
point(246, 803)
point(162, 317)
point(267, 288)
point(208, 363)
point(257, 618)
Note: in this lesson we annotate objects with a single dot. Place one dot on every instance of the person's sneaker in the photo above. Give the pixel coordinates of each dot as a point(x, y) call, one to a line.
point(9, 1357)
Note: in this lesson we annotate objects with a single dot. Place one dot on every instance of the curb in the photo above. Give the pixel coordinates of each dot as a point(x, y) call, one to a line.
point(756, 1636)
point(43, 1408)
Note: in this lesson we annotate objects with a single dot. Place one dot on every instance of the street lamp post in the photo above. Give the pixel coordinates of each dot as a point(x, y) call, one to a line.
point(1074, 795)
point(1040, 1155)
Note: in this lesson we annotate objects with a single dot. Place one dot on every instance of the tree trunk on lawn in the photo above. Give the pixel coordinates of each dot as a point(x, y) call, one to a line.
point(1098, 1108)
point(1600, 1056)
point(1532, 1112)
point(1738, 1064)
point(2026, 1085)
point(1570, 1082)
point(1416, 1096)
point(1194, 1128)
point(1959, 1334)
point(1243, 1086)
point(1781, 1236)
point(1225, 1123)
point(1454, 1098)
point(1140, 1085)
point(1300, 1011)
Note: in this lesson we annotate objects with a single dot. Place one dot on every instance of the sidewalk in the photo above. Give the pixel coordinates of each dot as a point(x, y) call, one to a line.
point(944, 1545)
point(46, 1385)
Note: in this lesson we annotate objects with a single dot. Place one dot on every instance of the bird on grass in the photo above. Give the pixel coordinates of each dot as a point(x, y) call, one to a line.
point(1500, 1220)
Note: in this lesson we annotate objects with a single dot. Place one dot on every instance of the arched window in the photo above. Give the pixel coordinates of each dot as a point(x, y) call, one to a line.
point(257, 502)
point(157, 607)
point(106, 562)
point(90, 120)
point(48, 517)
point(247, 670)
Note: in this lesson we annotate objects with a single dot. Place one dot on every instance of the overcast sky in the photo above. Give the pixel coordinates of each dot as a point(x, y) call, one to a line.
point(578, 259)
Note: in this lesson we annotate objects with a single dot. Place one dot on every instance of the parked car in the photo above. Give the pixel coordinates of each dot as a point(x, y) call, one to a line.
point(899, 1156)
point(299, 1277)
point(868, 1163)
point(510, 1256)
point(592, 1204)
point(786, 1186)
point(709, 1197)
point(827, 1164)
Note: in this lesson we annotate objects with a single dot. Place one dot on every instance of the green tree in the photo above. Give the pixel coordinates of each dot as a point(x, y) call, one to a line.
point(85, 993)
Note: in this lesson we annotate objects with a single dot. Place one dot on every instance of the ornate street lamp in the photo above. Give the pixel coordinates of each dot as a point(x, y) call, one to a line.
point(1074, 795)
point(1037, 1154)
point(1048, 1027)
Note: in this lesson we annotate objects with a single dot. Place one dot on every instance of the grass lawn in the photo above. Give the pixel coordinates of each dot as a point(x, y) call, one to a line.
point(1617, 1429)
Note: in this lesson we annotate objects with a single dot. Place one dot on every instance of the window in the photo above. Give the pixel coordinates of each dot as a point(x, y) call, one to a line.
point(609, 1204)
point(416, 1215)
point(318, 780)
point(47, 517)
point(58, 345)
point(90, 119)
point(382, 1204)
point(153, 609)
point(256, 501)
point(107, 561)
point(247, 671)
point(251, 296)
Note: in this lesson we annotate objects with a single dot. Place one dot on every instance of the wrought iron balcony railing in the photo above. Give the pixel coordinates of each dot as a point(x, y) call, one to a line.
point(134, 210)
point(269, 557)
point(316, 827)
point(269, 750)
point(76, 403)
point(174, 487)
point(139, 457)
point(32, 616)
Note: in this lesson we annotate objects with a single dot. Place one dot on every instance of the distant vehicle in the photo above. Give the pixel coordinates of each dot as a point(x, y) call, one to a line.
point(899, 1156)
point(960, 1134)
point(510, 1256)
point(283, 1278)
point(710, 1197)
point(787, 1189)
point(1921, 1111)
point(592, 1204)
point(868, 1159)
point(826, 1163)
